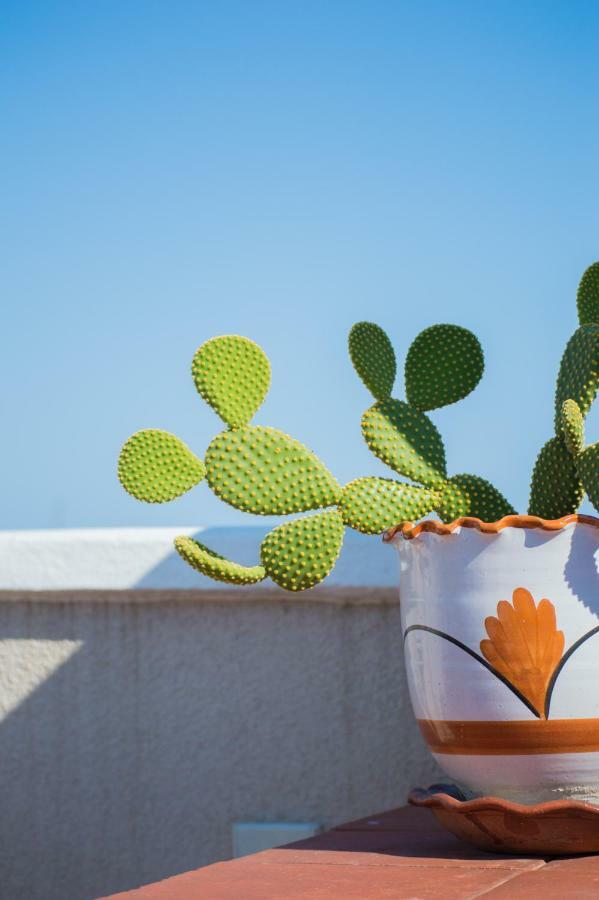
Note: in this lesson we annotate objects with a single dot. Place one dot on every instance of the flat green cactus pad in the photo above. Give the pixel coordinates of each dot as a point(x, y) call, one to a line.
point(405, 439)
point(215, 566)
point(155, 466)
point(588, 468)
point(373, 358)
point(443, 365)
point(572, 427)
point(555, 489)
point(232, 374)
point(587, 298)
point(578, 377)
point(264, 471)
point(300, 554)
point(371, 505)
point(469, 495)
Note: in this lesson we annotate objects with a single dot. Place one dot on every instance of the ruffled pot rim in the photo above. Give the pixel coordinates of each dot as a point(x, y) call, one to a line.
point(408, 530)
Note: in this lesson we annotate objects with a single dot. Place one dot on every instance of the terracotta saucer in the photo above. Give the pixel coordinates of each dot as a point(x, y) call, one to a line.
point(556, 828)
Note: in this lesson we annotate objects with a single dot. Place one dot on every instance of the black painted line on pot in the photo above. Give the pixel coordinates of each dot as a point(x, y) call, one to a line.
point(480, 659)
point(562, 663)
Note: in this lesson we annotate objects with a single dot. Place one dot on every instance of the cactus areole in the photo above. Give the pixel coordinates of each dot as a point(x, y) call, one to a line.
point(262, 470)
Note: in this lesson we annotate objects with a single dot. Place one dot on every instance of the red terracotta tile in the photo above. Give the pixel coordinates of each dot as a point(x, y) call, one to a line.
point(240, 879)
point(558, 880)
point(391, 848)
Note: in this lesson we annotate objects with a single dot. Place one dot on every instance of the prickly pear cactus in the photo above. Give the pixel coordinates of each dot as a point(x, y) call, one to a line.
point(215, 566)
point(444, 364)
point(298, 555)
point(372, 505)
point(232, 374)
point(264, 471)
point(564, 469)
point(156, 466)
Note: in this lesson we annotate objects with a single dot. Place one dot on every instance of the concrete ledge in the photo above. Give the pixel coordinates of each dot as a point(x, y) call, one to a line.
point(144, 558)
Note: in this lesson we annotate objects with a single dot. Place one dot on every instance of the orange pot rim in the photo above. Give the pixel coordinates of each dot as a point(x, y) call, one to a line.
point(408, 530)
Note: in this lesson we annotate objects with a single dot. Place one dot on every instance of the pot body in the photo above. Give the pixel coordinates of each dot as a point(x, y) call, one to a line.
point(501, 636)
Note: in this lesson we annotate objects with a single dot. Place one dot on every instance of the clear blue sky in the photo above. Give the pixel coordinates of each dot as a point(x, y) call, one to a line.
point(175, 170)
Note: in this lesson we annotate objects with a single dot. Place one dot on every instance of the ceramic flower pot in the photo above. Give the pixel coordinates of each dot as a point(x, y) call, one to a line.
point(501, 634)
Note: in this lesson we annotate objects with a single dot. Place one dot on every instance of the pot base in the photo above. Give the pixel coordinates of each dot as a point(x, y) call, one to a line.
point(555, 828)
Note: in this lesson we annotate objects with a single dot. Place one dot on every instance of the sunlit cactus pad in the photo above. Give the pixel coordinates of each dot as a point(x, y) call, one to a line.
point(556, 489)
point(299, 554)
point(405, 439)
point(373, 358)
point(371, 505)
point(155, 466)
point(578, 377)
point(572, 427)
point(588, 295)
point(470, 495)
point(264, 471)
point(232, 374)
point(215, 566)
point(444, 364)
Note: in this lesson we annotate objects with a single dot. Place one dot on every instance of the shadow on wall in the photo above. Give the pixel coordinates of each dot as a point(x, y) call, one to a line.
point(174, 719)
point(364, 561)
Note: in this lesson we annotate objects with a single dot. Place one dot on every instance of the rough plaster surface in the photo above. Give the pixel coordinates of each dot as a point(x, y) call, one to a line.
point(135, 731)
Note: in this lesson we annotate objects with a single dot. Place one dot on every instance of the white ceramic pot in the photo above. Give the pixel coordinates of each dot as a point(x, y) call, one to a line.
point(501, 634)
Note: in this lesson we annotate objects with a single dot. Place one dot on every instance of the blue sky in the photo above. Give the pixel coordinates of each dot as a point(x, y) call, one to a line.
point(175, 170)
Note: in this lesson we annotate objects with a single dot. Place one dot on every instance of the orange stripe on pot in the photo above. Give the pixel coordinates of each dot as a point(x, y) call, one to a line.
point(517, 738)
point(409, 531)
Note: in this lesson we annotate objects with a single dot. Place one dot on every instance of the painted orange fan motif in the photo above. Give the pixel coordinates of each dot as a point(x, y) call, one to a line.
point(524, 645)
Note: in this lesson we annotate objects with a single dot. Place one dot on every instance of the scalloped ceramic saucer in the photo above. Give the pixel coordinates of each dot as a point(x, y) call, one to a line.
point(555, 828)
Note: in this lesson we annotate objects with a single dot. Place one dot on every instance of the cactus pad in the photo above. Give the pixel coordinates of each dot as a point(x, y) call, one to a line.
point(371, 505)
point(300, 554)
point(232, 374)
point(469, 495)
point(588, 468)
point(443, 365)
point(373, 358)
point(264, 471)
point(155, 466)
point(587, 298)
point(215, 566)
point(572, 427)
point(578, 377)
point(555, 489)
point(405, 439)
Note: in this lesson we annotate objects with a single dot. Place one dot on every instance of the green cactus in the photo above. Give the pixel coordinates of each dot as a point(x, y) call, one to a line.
point(443, 365)
point(232, 374)
point(264, 471)
point(373, 358)
point(556, 489)
point(572, 426)
point(406, 440)
point(557, 486)
point(371, 505)
point(585, 460)
point(155, 466)
point(469, 495)
point(299, 554)
point(578, 377)
point(587, 298)
point(215, 566)
point(588, 468)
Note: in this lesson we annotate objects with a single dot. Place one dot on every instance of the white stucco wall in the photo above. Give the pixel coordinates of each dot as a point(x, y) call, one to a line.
point(142, 714)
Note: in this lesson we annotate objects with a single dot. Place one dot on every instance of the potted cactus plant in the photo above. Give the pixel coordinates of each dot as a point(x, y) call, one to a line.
point(499, 609)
